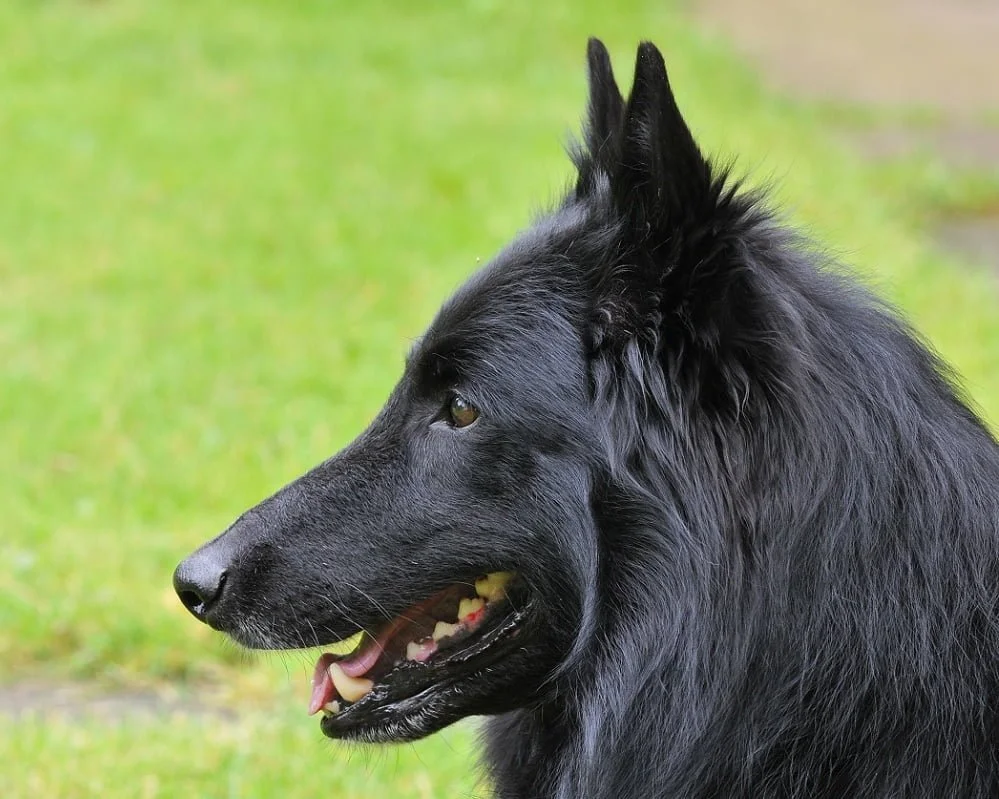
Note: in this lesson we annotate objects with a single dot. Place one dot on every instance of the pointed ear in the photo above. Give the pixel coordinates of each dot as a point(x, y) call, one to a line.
point(662, 180)
point(602, 131)
point(672, 268)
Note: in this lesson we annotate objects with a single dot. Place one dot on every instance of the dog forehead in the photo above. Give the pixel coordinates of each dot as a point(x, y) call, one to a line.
point(505, 314)
point(515, 283)
point(525, 304)
point(534, 272)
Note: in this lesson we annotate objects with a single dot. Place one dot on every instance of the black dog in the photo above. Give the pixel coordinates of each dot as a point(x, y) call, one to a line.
point(689, 515)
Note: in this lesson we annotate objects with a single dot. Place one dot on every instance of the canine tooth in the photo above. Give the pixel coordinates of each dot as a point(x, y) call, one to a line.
point(493, 585)
point(442, 630)
point(350, 688)
point(469, 606)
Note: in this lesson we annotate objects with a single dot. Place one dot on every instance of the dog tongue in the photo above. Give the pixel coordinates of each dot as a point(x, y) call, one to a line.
point(356, 664)
point(323, 690)
point(360, 661)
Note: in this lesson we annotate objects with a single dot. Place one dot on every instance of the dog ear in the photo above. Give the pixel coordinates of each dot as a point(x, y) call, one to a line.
point(674, 221)
point(662, 181)
point(602, 130)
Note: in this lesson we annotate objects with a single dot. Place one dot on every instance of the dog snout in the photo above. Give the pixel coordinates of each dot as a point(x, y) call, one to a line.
point(212, 582)
point(200, 582)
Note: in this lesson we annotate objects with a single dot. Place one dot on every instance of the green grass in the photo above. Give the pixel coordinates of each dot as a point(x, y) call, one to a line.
point(220, 225)
point(259, 755)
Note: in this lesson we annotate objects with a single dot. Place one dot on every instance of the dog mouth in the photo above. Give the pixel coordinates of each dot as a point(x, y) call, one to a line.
point(425, 650)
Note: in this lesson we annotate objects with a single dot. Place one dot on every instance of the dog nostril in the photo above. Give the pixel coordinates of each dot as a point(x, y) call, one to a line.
point(199, 583)
point(192, 601)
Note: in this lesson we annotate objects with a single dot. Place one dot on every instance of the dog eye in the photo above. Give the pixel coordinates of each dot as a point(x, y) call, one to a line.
point(460, 412)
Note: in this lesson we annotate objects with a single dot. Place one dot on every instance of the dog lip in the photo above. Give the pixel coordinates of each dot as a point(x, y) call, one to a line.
point(408, 682)
point(382, 653)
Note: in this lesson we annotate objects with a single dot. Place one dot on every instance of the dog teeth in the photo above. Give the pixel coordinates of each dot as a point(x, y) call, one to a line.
point(443, 630)
point(350, 688)
point(420, 651)
point(331, 708)
point(493, 585)
point(469, 607)
point(413, 650)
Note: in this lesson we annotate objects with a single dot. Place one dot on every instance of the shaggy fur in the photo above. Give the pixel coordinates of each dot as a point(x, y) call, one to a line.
point(756, 527)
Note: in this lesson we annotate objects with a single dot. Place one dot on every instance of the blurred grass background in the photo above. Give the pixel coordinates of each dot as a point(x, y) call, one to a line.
point(220, 225)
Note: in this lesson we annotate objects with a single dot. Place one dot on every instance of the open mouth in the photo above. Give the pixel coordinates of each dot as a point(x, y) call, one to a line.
point(428, 647)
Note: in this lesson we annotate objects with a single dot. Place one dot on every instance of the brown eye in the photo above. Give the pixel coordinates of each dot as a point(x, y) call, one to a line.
point(461, 413)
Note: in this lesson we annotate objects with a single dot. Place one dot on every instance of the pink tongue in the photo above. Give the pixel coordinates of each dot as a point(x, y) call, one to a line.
point(323, 690)
point(360, 661)
point(357, 663)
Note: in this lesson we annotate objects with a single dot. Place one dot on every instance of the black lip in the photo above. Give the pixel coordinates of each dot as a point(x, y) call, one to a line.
point(404, 689)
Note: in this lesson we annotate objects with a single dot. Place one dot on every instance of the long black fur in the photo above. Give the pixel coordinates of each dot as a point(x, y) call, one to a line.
point(759, 527)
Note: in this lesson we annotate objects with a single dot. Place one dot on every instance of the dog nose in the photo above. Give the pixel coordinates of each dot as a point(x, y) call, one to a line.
point(199, 581)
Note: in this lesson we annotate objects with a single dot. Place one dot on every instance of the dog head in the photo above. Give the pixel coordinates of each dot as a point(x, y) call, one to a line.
point(461, 531)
